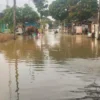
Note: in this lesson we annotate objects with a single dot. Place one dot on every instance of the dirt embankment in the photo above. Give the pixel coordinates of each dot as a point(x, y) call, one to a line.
point(6, 37)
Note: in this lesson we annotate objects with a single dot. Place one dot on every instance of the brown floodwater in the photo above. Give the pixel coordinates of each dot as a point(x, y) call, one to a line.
point(51, 67)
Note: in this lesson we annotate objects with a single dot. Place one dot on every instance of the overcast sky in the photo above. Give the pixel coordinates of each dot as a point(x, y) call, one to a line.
point(19, 3)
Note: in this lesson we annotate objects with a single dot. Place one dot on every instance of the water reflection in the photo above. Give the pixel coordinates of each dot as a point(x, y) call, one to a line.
point(59, 47)
point(58, 64)
point(71, 47)
point(10, 82)
point(17, 78)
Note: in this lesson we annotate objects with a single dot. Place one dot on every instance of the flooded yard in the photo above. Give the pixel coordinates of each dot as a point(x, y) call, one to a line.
point(52, 67)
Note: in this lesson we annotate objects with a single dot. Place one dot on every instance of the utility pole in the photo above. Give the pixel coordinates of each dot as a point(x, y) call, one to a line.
point(7, 1)
point(98, 18)
point(14, 18)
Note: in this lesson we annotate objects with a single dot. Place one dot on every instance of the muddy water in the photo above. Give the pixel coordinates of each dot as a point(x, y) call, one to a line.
point(52, 67)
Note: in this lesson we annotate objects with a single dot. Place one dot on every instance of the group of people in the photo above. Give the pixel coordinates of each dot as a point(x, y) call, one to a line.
point(28, 30)
point(31, 31)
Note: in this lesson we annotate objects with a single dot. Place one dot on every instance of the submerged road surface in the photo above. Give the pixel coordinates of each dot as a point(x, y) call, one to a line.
point(51, 67)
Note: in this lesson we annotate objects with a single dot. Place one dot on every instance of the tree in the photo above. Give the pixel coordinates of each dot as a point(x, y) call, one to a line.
point(23, 14)
point(27, 14)
point(84, 10)
point(8, 16)
point(41, 6)
point(72, 10)
point(58, 10)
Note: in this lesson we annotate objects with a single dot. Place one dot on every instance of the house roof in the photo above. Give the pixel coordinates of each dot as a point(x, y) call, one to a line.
point(93, 19)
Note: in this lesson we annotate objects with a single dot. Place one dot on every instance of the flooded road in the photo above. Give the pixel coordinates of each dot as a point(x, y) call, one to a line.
point(52, 67)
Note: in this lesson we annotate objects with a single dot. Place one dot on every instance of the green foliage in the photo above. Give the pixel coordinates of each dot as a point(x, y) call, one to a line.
point(84, 10)
point(58, 9)
point(41, 6)
point(23, 14)
point(79, 10)
point(8, 16)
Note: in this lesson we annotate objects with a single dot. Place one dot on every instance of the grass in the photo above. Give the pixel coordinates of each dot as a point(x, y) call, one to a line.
point(6, 37)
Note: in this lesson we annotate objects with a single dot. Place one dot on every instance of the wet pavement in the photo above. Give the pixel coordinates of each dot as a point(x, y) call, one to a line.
point(51, 67)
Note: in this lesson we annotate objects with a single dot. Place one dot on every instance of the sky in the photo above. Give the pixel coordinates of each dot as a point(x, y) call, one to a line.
point(19, 3)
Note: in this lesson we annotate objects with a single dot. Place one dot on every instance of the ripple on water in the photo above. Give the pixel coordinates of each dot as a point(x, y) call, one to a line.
point(64, 68)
